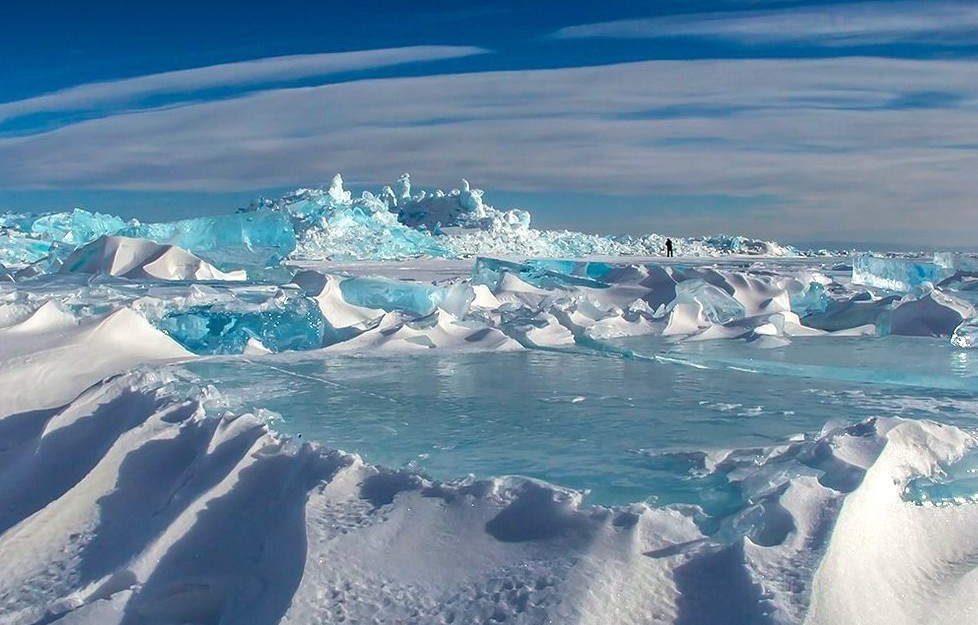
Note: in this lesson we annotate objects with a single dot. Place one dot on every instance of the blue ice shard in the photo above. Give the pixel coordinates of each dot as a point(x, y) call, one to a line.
point(956, 261)
point(280, 324)
point(256, 238)
point(411, 297)
point(541, 273)
point(77, 227)
point(812, 300)
point(896, 274)
point(19, 249)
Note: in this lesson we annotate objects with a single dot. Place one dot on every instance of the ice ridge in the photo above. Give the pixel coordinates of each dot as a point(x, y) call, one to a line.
point(330, 223)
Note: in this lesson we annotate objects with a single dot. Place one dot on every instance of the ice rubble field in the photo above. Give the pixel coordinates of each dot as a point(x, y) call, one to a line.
point(743, 434)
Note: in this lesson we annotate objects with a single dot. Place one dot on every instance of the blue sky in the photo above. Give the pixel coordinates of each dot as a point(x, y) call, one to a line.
point(796, 121)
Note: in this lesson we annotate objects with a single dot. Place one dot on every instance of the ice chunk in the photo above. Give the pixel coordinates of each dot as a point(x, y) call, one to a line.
point(76, 227)
point(545, 274)
point(459, 207)
point(260, 237)
point(933, 314)
point(966, 334)
point(956, 261)
point(861, 309)
point(811, 300)
point(26, 239)
point(48, 265)
point(455, 299)
point(718, 306)
point(365, 231)
point(284, 322)
point(390, 295)
point(18, 249)
point(896, 274)
point(336, 191)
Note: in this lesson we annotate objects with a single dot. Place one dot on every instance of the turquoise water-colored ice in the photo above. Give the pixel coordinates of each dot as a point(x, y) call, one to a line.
point(624, 429)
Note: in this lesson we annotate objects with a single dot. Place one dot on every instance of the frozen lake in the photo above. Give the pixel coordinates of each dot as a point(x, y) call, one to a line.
point(623, 429)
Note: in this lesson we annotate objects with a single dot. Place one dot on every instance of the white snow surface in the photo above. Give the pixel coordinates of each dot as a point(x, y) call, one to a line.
point(141, 259)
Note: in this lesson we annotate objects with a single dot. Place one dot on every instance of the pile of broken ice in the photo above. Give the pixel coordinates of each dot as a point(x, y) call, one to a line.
point(537, 303)
point(542, 301)
point(331, 223)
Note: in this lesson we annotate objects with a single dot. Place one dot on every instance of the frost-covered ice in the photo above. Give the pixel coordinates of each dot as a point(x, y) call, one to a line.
point(738, 435)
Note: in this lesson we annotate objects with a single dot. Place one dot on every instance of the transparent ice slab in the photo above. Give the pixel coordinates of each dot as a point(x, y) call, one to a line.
point(896, 274)
point(257, 238)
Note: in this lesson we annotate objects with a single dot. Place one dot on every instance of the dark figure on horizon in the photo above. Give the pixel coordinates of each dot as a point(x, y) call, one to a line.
point(669, 247)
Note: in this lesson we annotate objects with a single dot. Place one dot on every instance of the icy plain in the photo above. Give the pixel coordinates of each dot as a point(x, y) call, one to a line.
point(414, 408)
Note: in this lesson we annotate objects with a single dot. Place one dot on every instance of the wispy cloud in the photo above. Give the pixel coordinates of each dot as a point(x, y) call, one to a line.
point(860, 23)
point(856, 144)
point(255, 73)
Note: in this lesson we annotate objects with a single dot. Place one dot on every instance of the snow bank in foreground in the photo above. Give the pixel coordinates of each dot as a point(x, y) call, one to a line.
point(139, 506)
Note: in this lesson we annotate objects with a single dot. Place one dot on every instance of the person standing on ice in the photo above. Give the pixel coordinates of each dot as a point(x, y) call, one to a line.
point(668, 247)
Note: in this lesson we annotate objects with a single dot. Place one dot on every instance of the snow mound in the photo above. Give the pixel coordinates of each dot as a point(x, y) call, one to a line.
point(141, 505)
point(142, 259)
point(34, 351)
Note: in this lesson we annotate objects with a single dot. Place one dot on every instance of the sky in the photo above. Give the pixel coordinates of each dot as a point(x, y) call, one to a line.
point(802, 122)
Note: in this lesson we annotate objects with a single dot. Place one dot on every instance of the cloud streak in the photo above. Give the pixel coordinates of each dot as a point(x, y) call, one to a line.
point(253, 73)
point(862, 23)
point(854, 144)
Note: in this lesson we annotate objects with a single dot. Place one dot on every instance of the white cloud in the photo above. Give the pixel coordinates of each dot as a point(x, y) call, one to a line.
point(833, 138)
point(858, 23)
point(253, 73)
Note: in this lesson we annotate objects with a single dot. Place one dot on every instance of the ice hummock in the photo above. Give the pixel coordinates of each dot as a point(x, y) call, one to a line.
point(257, 238)
point(900, 274)
point(141, 259)
point(330, 223)
point(280, 323)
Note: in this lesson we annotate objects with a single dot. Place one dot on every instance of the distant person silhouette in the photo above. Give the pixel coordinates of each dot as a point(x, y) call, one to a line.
point(668, 247)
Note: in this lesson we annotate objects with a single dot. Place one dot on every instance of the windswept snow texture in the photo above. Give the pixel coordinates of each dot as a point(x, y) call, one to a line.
point(254, 419)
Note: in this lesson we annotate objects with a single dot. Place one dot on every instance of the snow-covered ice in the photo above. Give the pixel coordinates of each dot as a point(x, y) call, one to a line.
point(415, 408)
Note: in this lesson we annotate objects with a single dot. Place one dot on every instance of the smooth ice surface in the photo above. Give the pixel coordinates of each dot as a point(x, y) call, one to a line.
point(624, 429)
point(893, 361)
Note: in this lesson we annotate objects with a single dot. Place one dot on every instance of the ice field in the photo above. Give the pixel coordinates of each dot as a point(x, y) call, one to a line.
point(415, 408)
